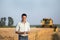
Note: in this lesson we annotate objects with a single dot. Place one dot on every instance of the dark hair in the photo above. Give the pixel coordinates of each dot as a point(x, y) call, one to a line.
point(24, 14)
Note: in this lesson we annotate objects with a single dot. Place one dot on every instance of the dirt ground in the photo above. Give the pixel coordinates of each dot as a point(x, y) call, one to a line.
point(35, 34)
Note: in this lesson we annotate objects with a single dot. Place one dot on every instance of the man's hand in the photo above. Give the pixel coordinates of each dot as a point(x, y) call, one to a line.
point(26, 32)
point(20, 32)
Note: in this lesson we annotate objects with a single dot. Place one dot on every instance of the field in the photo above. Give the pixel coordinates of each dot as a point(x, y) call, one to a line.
point(35, 34)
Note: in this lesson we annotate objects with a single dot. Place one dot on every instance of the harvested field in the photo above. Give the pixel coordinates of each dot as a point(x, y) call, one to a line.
point(35, 34)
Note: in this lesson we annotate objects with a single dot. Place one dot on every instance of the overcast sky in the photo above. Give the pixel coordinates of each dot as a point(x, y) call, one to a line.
point(35, 9)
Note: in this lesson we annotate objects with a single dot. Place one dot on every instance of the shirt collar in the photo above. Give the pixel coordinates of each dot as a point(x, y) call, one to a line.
point(22, 22)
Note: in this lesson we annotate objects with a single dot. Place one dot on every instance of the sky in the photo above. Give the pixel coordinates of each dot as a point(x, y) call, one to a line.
point(35, 9)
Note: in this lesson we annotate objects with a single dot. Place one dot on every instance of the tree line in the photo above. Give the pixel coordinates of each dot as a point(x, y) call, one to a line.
point(3, 21)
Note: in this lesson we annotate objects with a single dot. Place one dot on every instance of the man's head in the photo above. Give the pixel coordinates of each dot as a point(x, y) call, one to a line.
point(24, 16)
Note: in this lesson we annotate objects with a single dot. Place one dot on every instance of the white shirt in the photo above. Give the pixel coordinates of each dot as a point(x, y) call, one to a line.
point(23, 28)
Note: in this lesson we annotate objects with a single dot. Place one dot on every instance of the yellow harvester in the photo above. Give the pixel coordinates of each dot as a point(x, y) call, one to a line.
point(47, 22)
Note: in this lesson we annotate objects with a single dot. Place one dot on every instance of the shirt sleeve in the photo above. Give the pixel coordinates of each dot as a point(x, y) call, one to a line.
point(17, 27)
point(29, 28)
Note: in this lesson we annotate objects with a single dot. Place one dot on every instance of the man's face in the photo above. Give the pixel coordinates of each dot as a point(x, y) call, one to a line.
point(24, 18)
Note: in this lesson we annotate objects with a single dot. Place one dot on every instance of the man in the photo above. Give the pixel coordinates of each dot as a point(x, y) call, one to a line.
point(23, 28)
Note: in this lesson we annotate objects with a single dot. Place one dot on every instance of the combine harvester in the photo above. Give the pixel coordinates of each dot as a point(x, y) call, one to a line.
point(48, 23)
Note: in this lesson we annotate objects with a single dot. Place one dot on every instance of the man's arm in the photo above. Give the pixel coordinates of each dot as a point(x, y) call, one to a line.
point(18, 29)
point(19, 32)
point(22, 32)
point(28, 29)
